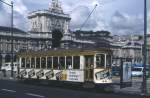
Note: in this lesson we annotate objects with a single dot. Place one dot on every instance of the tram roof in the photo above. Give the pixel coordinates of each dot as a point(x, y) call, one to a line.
point(64, 52)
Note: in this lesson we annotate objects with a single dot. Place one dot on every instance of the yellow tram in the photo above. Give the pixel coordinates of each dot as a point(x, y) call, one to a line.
point(74, 65)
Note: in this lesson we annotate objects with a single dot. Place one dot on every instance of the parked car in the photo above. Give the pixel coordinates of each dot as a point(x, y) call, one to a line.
point(115, 71)
point(137, 71)
point(7, 67)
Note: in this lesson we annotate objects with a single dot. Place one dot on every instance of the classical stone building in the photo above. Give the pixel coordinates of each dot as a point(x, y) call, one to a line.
point(130, 47)
point(44, 22)
point(20, 43)
point(39, 35)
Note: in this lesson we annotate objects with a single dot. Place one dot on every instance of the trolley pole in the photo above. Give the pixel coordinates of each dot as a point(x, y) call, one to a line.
point(144, 83)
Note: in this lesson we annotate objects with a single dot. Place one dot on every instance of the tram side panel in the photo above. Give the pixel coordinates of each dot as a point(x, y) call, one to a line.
point(60, 75)
point(74, 75)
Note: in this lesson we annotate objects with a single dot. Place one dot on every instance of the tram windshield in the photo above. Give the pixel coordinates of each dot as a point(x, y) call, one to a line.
point(100, 60)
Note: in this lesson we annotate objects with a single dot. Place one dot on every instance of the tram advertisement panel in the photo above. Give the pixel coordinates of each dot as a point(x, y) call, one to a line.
point(102, 76)
point(69, 75)
point(60, 75)
point(76, 76)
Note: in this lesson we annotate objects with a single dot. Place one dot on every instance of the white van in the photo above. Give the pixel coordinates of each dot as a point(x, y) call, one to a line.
point(7, 66)
point(137, 71)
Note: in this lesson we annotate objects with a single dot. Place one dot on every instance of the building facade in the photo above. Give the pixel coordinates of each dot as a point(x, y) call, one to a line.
point(130, 47)
point(44, 22)
point(39, 35)
point(19, 41)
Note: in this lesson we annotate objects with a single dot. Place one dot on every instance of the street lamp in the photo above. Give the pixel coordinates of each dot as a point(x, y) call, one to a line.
point(12, 58)
point(144, 83)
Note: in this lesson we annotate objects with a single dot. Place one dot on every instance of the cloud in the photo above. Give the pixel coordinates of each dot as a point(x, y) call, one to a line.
point(116, 16)
point(79, 17)
point(80, 9)
point(122, 23)
point(20, 14)
point(4, 19)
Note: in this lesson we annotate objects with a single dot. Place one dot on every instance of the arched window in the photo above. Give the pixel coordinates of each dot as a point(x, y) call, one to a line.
point(8, 58)
point(15, 58)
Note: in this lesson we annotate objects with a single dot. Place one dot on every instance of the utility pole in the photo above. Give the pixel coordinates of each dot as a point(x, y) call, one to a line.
point(12, 58)
point(144, 83)
point(12, 46)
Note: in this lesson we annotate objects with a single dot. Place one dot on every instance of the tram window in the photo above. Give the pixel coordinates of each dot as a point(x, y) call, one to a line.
point(108, 60)
point(37, 62)
point(62, 62)
point(23, 63)
point(49, 62)
point(27, 63)
point(43, 62)
point(100, 60)
point(32, 62)
point(69, 62)
point(55, 62)
point(76, 62)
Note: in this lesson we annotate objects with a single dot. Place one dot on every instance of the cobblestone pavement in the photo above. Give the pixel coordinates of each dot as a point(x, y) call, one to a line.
point(135, 89)
point(136, 86)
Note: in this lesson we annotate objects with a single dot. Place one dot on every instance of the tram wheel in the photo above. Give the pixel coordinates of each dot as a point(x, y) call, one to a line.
point(88, 85)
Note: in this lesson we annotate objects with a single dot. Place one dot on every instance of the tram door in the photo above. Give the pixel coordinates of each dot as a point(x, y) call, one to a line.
point(89, 65)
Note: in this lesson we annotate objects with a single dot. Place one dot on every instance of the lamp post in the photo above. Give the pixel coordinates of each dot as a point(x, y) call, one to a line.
point(12, 58)
point(144, 83)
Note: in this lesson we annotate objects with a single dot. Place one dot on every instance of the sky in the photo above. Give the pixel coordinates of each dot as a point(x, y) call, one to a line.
point(116, 16)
